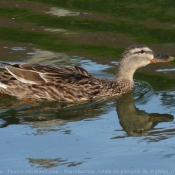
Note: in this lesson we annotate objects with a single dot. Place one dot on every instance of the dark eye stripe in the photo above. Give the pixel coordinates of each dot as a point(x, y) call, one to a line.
point(142, 51)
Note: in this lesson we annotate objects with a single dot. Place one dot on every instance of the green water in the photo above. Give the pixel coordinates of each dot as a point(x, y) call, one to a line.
point(131, 135)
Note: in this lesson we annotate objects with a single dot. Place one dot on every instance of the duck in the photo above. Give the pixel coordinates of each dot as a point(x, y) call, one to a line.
point(74, 84)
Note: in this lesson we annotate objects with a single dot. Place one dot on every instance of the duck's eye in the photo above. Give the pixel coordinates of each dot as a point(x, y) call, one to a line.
point(142, 51)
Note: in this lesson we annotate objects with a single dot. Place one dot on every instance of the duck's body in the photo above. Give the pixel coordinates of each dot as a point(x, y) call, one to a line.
point(63, 83)
point(74, 84)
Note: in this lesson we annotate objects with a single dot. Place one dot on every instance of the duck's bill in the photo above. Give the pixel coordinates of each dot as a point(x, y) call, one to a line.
point(161, 58)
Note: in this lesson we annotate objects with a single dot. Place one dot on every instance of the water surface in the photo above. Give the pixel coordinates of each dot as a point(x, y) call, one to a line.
point(130, 135)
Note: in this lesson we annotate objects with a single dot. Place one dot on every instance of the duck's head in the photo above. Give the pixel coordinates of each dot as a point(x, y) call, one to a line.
point(138, 56)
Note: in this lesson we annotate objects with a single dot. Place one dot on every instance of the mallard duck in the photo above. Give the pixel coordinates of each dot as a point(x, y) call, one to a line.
point(75, 84)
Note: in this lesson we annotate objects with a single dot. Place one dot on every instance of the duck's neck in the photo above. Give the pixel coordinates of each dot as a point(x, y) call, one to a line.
point(124, 72)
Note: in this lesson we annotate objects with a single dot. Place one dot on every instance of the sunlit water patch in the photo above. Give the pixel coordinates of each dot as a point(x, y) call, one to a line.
point(62, 31)
point(166, 70)
point(96, 68)
point(62, 12)
point(18, 48)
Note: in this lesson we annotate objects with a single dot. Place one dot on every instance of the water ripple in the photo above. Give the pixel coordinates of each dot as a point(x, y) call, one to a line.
point(142, 90)
point(18, 48)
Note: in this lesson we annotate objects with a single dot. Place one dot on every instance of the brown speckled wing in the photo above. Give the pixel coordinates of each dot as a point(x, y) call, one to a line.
point(39, 74)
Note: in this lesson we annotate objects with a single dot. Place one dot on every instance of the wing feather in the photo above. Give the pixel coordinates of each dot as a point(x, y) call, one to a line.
point(25, 76)
point(39, 74)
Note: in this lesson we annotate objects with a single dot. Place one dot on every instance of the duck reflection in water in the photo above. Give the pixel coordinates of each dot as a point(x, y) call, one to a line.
point(45, 116)
point(137, 122)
